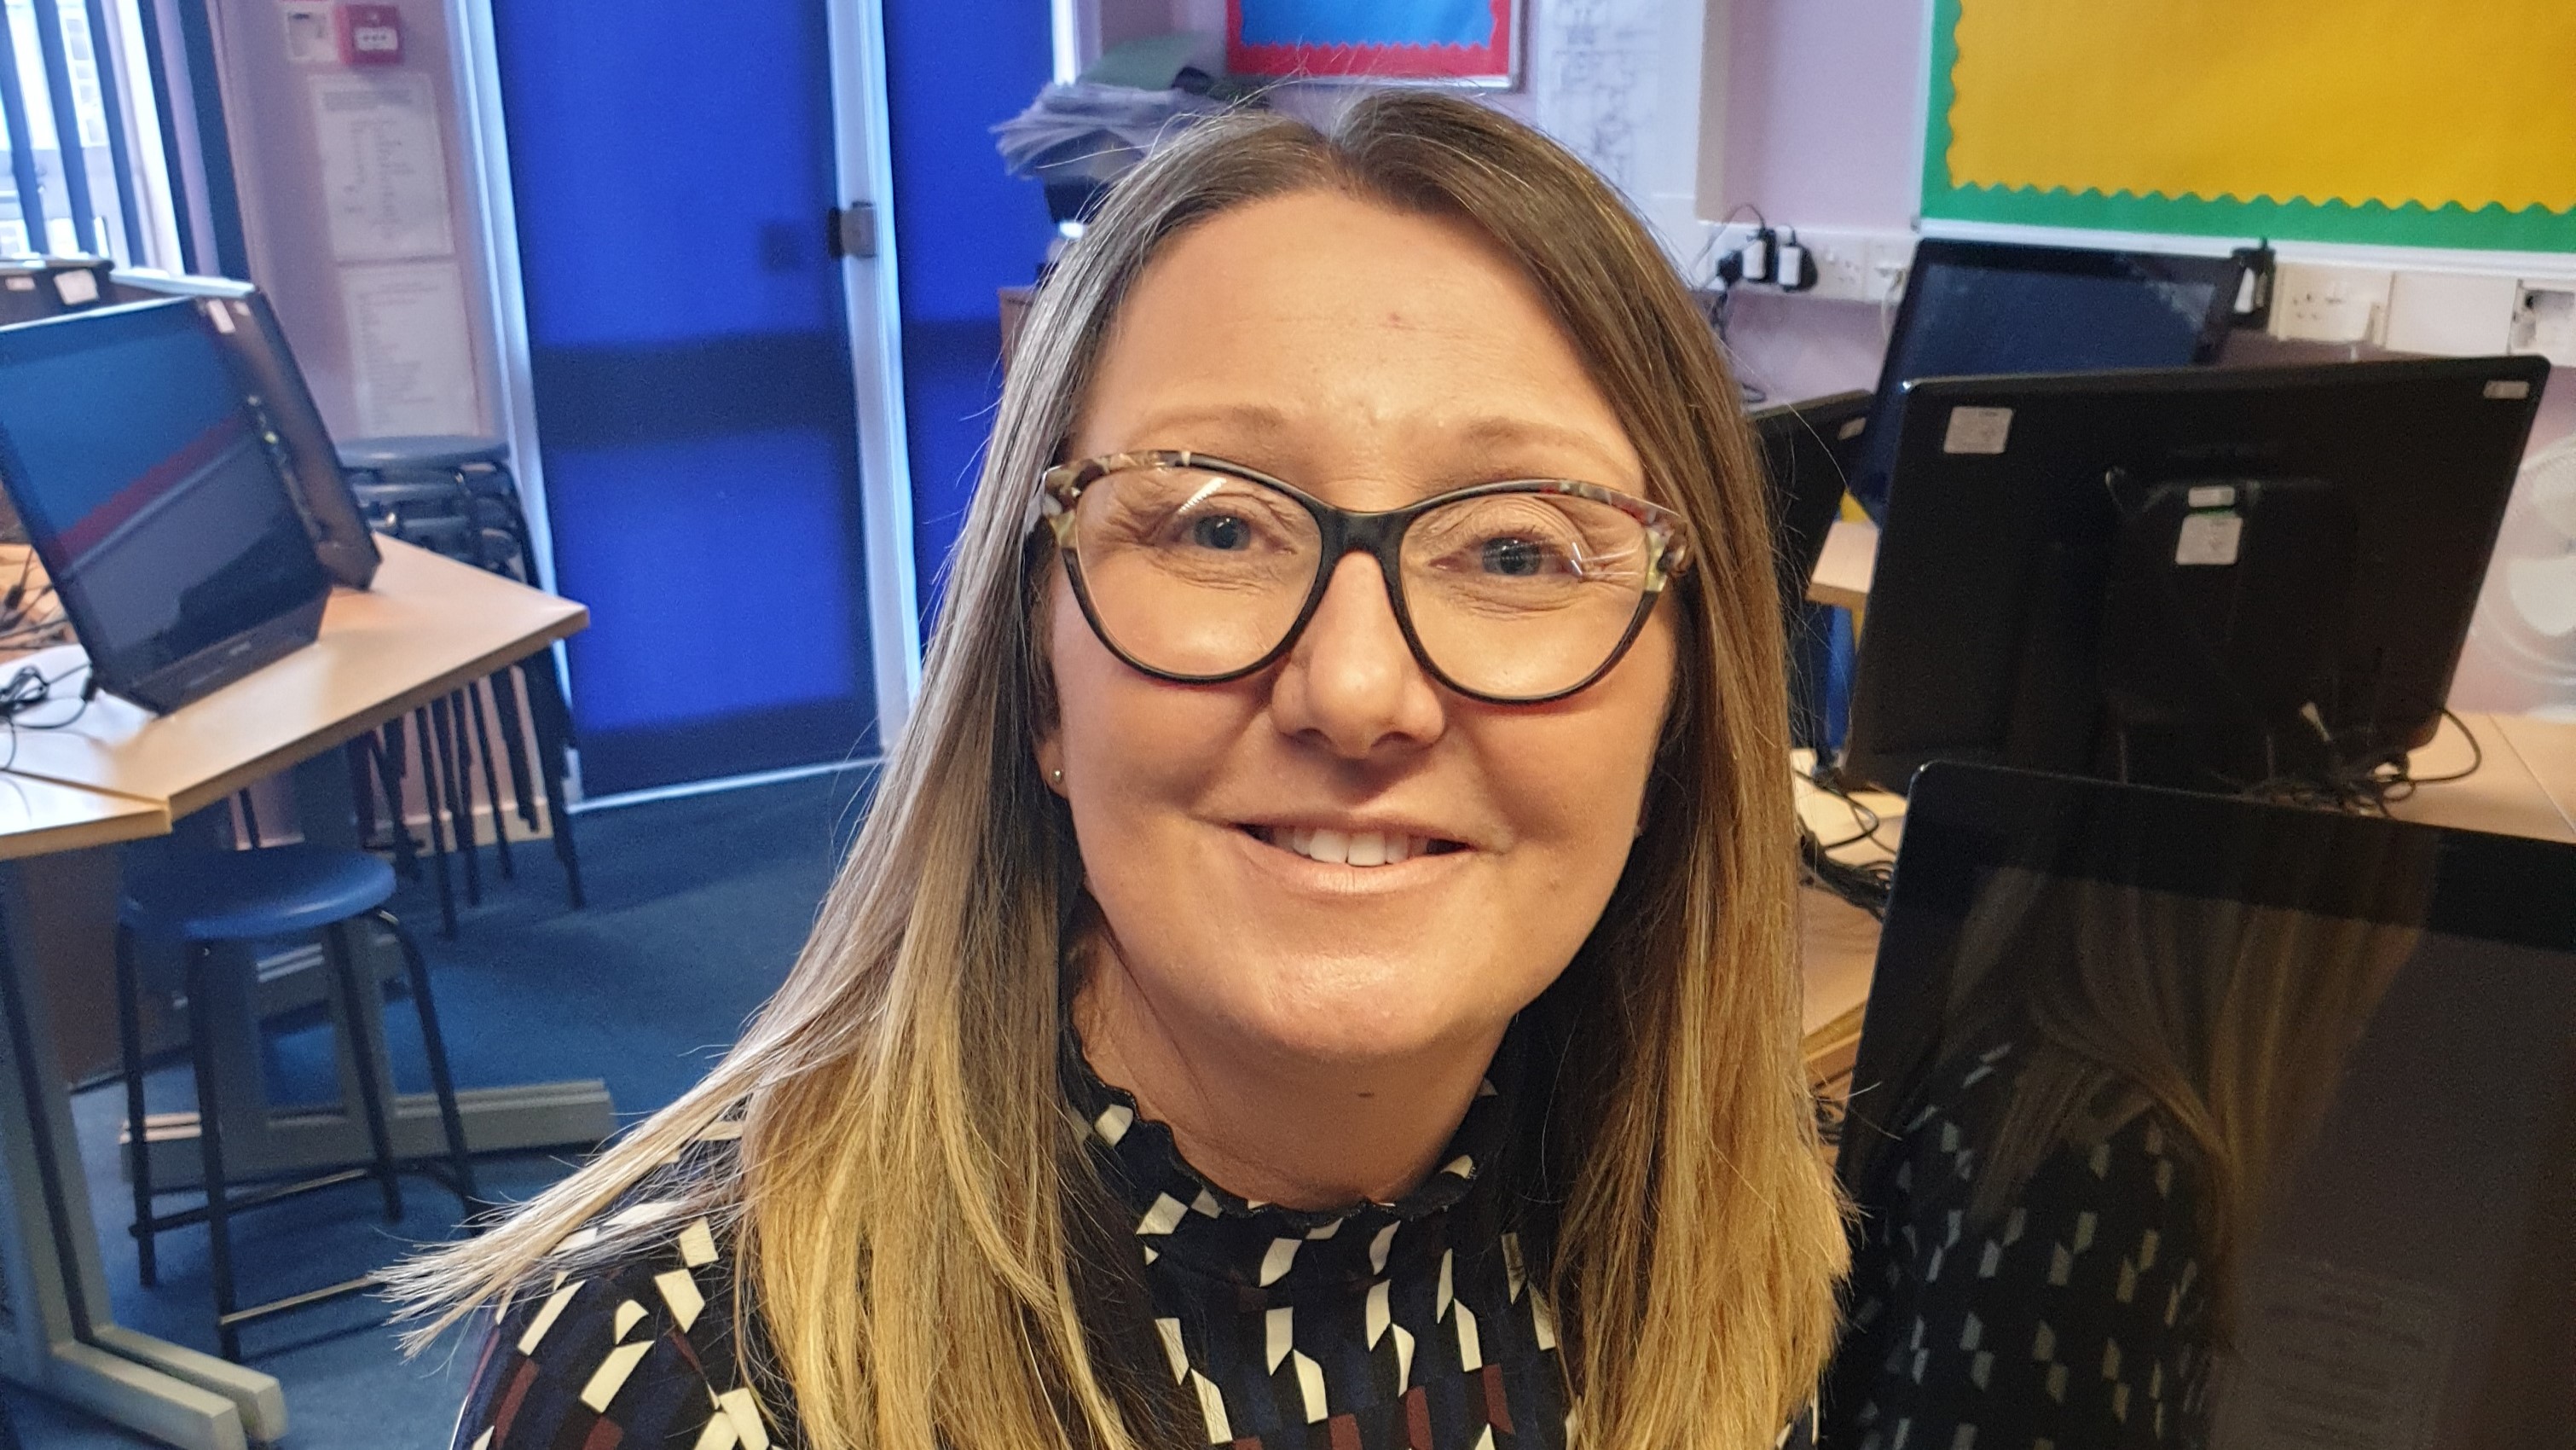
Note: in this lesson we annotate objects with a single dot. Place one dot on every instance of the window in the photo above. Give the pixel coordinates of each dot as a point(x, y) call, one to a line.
point(100, 185)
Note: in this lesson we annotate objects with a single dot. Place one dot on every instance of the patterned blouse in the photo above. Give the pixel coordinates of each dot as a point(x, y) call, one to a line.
point(1402, 1326)
point(2079, 1321)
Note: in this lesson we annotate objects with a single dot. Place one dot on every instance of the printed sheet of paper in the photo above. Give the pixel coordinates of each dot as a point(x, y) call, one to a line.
point(2337, 1358)
point(384, 167)
point(410, 349)
point(2362, 101)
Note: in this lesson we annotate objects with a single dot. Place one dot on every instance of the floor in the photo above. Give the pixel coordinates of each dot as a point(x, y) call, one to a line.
point(697, 908)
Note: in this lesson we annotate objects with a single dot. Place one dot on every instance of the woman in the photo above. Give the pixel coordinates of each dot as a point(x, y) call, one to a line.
point(1319, 968)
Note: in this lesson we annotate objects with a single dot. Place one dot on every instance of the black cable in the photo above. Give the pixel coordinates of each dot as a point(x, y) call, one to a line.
point(29, 689)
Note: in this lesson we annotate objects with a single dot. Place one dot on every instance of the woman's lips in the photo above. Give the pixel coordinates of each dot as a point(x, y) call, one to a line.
point(1351, 848)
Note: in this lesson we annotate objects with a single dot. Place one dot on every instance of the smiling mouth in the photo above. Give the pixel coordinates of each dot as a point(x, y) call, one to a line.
point(1351, 848)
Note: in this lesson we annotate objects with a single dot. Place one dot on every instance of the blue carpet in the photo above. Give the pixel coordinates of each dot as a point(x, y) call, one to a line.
point(697, 908)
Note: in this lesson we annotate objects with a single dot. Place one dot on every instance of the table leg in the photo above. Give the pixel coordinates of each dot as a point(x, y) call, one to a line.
point(59, 1335)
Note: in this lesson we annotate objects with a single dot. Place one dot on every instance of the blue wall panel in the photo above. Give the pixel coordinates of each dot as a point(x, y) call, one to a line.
point(965, 227)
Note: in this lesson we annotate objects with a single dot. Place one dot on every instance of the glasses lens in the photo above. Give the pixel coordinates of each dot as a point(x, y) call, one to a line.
point(1524, 595)
point(1191, 572)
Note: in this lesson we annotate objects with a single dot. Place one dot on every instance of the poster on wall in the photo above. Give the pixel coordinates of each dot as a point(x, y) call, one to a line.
point(384, 167)
point(2399, 123)
point(1461, 42)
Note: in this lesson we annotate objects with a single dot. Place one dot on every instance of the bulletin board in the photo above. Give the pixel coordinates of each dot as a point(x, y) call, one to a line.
point(1472, 42)
point(2396, 122)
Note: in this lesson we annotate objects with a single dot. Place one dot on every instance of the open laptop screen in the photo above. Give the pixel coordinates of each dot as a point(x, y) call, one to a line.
point(2186, 1120)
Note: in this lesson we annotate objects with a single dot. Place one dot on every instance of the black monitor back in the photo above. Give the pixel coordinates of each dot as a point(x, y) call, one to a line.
point(1806, 456)
point(153, 491)
point(2041, 547)
point(1983, 309)
point(249, 329)
point(2397, 1004)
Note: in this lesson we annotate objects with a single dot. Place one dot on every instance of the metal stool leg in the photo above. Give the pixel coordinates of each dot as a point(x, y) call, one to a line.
point(250, 817)
point(362, 1057)
point(388, 769)
point(460, 793)
point(514, 740)
point(554, 730)
point(437, 838)
point(473, 697)
point(138, 1156)
point(442, 1079)
point(210, 1147)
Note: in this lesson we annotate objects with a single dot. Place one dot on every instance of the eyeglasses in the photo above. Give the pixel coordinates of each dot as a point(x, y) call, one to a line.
point(1197, 570)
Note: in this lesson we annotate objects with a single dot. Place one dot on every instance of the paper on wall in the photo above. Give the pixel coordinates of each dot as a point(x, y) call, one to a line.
point(384, 167)
point(411, 352)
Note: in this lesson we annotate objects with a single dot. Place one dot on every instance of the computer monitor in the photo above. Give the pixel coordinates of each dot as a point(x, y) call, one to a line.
point(1977, 309)
point(150, 489)
point(2210, 578)
point(248, 328)
point(1806, 453)
point(2186, 1120)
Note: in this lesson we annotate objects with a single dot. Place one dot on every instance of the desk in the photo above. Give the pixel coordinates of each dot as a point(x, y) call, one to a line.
point(1843, 570)
point(2526, 786)
point(427, 627)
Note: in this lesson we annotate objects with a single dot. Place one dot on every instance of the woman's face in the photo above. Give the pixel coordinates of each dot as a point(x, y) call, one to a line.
point(1371, 358)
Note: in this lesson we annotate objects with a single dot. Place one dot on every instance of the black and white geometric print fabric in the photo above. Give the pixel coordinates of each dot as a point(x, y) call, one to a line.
point(1400, 1326)
point(2079, 1320)
point(635, 1354)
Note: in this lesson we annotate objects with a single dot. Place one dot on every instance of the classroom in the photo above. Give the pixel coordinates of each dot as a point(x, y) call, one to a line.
point(692, 753)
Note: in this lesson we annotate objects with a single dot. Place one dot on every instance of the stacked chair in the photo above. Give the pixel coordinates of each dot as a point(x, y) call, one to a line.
point(457, 496)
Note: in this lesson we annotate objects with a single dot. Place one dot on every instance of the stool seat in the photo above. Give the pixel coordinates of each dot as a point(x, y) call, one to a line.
point(245, 895)
point(440, 452)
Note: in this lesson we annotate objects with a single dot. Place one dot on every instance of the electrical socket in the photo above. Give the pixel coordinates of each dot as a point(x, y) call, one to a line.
point(1855, 264)
point(2544, 322)
point(2312, 303)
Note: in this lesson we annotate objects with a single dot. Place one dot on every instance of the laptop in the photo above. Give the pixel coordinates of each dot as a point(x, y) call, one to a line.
point(2183, 1119)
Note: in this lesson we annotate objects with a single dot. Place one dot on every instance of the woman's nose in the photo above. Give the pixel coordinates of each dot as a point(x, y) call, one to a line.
point(1352, 681)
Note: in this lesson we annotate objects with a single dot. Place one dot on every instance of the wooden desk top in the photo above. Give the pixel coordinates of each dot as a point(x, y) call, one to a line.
point(429, 626)
point(1843, 571)
point(39, 817)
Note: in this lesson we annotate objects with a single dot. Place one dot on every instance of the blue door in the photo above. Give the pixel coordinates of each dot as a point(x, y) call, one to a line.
point(671, 164)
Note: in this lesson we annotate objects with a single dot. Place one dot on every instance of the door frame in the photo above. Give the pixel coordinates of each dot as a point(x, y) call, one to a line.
point(864, 171)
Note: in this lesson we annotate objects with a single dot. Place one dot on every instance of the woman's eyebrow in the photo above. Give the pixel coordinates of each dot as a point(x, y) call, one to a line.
point(1256, 422)
point(1496, 431)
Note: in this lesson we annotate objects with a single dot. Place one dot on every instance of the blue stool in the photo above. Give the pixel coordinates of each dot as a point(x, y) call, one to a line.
point(235, 896)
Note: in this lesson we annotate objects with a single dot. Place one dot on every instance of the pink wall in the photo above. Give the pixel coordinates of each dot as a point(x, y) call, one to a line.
point(1824, 111)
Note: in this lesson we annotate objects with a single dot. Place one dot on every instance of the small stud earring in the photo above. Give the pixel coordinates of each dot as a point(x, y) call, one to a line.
point(1056, 775)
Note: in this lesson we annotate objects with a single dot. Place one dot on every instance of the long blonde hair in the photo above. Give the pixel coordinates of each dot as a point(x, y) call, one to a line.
point(2229, 1019)
point(911, 1198)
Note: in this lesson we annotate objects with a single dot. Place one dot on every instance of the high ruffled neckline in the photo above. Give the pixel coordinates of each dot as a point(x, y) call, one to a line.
point(1183, 1217)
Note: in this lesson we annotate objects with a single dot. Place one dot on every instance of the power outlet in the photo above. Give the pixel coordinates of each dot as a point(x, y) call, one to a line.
point(2544, 322)
point(2329, 304)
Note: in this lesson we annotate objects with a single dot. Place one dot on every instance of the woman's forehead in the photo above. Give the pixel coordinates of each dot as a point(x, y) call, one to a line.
point(1328, 332)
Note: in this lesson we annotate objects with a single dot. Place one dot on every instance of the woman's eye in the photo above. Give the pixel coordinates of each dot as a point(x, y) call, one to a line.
point(1223, 531)
point(1515, 558)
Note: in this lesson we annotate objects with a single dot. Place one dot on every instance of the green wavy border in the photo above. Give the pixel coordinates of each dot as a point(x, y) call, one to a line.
point(2489, 228)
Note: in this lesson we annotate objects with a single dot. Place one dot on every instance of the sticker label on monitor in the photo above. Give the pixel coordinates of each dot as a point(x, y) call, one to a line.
point(220, 317)
point(22, 284)
point(76, 287)
point(1851, 429)
point(2508, 389)
point(2212, 496)
point(1977, 430)
point(2209, 540)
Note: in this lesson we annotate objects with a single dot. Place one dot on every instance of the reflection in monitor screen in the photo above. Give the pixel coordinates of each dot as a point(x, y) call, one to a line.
point(2189, 1171)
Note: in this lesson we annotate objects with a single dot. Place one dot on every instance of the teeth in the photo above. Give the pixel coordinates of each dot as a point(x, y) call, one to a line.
point(1350, 848)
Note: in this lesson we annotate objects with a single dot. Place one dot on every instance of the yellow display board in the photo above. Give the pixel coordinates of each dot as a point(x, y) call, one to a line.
point(2443, 122)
